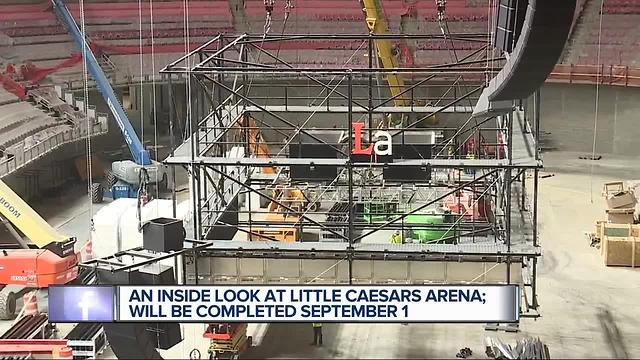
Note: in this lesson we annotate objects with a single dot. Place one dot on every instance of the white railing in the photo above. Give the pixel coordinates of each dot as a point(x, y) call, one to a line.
point(120, 79)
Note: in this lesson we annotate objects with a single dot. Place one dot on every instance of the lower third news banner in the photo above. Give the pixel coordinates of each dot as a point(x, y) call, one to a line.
point(487, 304)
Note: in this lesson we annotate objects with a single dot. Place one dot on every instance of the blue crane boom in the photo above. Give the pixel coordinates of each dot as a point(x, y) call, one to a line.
point(139, 153)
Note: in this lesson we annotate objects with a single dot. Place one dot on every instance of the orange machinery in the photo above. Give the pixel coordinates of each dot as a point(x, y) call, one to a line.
point(292, 197)
point(36, 268)
point(280, 232)
point(227, 341)
point(54, 262)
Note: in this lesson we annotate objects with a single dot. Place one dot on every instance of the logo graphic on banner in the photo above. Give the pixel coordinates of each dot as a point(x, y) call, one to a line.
point(382, 146)
point(81, 304)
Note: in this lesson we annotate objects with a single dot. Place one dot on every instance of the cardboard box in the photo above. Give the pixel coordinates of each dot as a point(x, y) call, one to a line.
point(611, 188)
point(621, 216)
point(623, 199)
point(621, 251)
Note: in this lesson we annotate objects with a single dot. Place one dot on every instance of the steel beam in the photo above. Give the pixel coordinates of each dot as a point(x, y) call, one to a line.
point(528, 162)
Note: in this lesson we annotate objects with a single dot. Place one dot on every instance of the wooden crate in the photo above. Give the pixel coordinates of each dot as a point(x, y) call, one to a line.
point(276, 233)
point(621, 216)
point(599, 227)
point(621, 251)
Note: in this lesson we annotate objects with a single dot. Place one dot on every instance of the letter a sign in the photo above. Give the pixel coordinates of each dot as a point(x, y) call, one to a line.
point(382, 145)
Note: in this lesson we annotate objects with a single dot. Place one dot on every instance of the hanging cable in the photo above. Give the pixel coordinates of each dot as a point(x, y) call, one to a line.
point(595, 120)
point(490, 26)
point(268, 7)
point(153, 95)
point(141, 49)
point(187, 41)
point(85, 93)
point(319, 106)
point(143, 177)
point(287, 10)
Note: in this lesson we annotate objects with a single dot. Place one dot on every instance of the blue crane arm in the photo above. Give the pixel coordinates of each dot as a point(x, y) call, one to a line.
point(139, 153)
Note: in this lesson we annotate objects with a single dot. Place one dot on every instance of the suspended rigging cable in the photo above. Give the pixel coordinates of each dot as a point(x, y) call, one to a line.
point(595, 120)
point(193, 135)
point(490, 25)
point(187, 40)
point(153, 94)
point(141, 57)
point(451, 49)
point(269, 6)
point(319, 106)
point(143, 178)
point(85, 93)
point(287, 10)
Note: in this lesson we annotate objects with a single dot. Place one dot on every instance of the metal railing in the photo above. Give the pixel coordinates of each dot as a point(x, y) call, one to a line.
point(286, 95)
point(619, 75)
point(117, 78)
point(45, 146)
point(217, 122)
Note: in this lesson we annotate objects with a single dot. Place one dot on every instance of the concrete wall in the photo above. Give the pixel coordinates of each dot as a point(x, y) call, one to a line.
point(568, 114)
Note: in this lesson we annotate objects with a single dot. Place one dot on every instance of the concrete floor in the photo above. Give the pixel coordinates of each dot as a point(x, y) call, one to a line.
point(576, 291)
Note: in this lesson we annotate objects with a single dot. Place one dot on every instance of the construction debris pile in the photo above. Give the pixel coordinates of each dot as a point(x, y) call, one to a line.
point(527, 348)
point(618, 236)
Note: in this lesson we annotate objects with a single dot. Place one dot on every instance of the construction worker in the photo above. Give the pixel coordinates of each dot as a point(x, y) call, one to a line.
point(317, 334)
point(396, 238)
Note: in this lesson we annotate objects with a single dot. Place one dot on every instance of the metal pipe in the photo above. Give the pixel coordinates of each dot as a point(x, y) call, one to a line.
point(223, 174)
point(401, 217)
point(174, 201)
point(337, 70)
point(290, 66)
point(446, 106)
point(508, 181)
point(278, 117)
point(350, 183)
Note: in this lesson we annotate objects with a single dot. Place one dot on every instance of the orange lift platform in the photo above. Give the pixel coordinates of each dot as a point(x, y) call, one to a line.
point(227, 341)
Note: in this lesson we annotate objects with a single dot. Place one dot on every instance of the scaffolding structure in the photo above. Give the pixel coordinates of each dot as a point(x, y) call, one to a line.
point(250, 90)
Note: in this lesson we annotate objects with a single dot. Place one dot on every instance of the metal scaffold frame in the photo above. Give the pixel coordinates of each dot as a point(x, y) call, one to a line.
point(228, 76)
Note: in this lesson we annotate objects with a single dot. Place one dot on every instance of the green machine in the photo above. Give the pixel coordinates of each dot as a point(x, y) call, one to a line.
point(445, 232)
point(432, 234)
point(376, 212)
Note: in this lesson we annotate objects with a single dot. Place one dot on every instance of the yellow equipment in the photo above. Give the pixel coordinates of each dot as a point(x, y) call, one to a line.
point(22, 216)
point(54, 263)
point(257, 145)
point(293, 198)
point(378, 26)
point(285, 233)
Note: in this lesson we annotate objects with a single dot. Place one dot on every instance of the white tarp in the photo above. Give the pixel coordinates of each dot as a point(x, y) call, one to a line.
point(116, 225)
